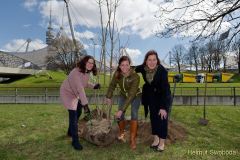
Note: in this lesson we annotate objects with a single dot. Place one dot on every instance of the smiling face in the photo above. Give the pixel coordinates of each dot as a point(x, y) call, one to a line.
point(151, 61)
point(125, 67)
point(89, 64)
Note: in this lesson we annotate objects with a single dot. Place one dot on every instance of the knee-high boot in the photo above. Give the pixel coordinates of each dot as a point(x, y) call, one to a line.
point(133, 133)
point(121, 126)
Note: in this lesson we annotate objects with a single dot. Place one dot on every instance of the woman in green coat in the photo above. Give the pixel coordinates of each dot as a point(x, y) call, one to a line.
point(128, 81)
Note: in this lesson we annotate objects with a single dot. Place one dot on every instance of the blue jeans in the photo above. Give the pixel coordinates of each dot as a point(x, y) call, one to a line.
point(135, 104)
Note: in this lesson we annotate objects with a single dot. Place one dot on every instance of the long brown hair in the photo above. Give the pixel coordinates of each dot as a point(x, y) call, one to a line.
point(82, 64)
point(149, 53)
point(123, 58)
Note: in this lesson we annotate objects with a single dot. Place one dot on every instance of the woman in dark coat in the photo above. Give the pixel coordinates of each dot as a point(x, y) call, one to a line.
point(156, 96)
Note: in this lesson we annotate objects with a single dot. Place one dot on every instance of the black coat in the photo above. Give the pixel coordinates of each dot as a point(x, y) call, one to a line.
point(157, 93)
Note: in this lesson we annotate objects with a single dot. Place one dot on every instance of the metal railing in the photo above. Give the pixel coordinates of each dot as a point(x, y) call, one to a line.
point(179, 91)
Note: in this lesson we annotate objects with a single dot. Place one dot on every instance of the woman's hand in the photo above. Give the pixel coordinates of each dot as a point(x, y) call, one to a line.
point(119, 114)
point(97, 86)
point(163, 113)
point(107, 101)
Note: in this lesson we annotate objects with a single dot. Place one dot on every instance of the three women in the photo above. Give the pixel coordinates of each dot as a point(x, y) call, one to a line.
point(156, 96)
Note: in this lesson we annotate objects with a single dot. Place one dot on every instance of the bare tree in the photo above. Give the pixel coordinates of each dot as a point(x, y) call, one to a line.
point(178, 52)
point(188, 60)
point(61, 53)
point(194, 55)
point(236, 49)
point(203, 61)
point(210, 55)
point(109, 33)
point(221, 49)
point(103, 38)
point(112, 8)
point(199, 18)
point(216, 57)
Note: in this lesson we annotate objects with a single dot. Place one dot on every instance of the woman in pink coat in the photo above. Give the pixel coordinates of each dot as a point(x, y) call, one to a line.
point(73, 96)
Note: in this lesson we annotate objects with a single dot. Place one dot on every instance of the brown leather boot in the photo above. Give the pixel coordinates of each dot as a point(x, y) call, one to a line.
point(133, 134)
point(121, 126)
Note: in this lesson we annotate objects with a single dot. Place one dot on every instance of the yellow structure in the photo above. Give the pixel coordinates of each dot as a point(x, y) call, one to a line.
point(171, 77)
point(209, 77)
point(226, 77)
point(187, 77)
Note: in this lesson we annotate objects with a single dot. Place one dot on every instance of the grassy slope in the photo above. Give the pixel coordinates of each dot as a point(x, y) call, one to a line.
point(58, 77)
point(38, 132)
point(39, 80)
point(43, 80)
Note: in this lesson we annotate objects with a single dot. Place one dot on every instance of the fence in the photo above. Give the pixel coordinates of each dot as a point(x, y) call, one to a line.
point(183, 95)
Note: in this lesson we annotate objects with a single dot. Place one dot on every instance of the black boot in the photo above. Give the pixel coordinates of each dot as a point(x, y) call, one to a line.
point(76, 144)
point(74, 130)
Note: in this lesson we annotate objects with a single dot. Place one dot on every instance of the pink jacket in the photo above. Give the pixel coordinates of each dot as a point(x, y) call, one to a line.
point(73, 88)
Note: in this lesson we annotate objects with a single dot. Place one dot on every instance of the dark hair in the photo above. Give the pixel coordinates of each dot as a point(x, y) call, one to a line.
point(149, 53)
point(123, 58)
point(82, 64)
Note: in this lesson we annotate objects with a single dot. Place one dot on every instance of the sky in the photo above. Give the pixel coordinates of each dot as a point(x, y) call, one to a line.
point(28, 19)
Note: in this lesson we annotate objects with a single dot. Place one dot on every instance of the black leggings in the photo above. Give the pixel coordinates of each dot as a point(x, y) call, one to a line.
point(73, 121)
point(159, 126)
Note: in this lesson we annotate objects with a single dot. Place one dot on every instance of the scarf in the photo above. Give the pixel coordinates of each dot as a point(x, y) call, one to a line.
point(150, 73)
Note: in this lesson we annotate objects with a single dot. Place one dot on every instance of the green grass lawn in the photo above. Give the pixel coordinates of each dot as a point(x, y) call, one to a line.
point(38, 132)
point(42, 80)
point(57, 77)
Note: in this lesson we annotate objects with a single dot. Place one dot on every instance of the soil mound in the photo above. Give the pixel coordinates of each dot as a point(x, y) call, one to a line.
point(103, 132)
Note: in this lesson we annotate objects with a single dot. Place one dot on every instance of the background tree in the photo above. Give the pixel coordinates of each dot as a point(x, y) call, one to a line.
point(193, 54)
point(222, 49)
point(62, 55)
point(178, 52)
point(199, 18)
point(236, 49)
point(203, 60)
point(210, 55)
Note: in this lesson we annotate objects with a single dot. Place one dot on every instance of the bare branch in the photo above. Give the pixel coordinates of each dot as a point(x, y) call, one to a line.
point(203, 22)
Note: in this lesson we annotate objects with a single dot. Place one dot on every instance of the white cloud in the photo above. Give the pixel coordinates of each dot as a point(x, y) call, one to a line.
point(30, 4)
point(138, 17)
point(133, 16)
point(85, 35)
point(134, 54)
point(82, 37)
point(20, 45)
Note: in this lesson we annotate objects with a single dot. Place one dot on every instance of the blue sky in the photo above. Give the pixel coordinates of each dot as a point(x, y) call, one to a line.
point(23, 19)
